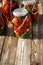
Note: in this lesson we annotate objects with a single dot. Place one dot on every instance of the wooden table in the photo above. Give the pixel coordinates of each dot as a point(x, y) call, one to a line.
point(12, 52)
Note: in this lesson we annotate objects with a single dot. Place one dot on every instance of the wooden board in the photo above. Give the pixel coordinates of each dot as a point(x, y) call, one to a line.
point(9, 51)
point(37, 51)
point(41, 1)
point(2, 40)
point(23, 52)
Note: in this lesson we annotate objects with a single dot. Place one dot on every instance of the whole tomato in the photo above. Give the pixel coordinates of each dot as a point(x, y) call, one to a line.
point(7, 9)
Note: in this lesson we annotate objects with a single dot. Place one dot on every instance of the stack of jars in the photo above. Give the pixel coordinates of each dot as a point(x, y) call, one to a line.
point(23, 18)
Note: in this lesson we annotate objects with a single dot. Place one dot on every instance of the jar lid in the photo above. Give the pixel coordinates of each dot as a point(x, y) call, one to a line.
point(20, 12)
point(29, 2)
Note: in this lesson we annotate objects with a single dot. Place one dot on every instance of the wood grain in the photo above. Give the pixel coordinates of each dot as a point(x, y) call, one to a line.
point(41, 1)
point(2, 40)
point(9, 51)
point(37, 52)
point(23, 52)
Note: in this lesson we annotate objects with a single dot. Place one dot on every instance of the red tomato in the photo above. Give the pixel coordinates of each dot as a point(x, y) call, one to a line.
point(35, 17)
point(17, 22)
point(21, 31)
point(7, 9)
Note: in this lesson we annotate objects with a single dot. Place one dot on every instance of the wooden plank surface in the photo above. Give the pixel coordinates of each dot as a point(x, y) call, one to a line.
point(9, 51)
point(23, 52)
point(2, 40)
point(38, 51)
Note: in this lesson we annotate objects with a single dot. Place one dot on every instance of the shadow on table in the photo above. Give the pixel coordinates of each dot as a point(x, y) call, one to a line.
point(8, 32)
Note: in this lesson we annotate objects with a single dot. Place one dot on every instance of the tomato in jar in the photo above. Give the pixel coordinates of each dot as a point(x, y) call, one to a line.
point(32, 8)
point(16, 22)
point(6, 4)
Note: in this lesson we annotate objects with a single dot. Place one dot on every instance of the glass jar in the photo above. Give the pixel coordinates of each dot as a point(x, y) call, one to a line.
point(21, 22)
point(6, 4)
point(32, 7)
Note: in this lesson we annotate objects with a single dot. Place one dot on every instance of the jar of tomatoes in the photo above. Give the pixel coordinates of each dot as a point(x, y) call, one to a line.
point(32, 7)
point(22, 22)
point(6, 4)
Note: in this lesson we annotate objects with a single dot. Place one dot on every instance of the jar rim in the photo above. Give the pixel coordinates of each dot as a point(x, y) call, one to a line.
point(20, 12)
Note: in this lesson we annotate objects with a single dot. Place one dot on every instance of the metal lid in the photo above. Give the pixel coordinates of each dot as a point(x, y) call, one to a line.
point(20, 12)
point(28, 2)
